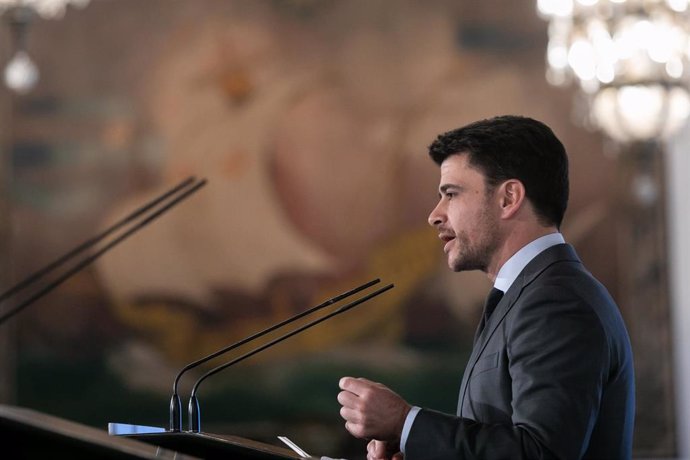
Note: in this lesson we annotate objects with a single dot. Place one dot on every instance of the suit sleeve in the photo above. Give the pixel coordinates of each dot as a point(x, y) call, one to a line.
point(557, 364)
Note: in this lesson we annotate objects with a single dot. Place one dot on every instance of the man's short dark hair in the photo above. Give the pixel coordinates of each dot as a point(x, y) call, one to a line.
point(514, 147)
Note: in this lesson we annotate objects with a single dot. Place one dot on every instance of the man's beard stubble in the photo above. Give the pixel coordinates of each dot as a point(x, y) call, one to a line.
point(477, 256)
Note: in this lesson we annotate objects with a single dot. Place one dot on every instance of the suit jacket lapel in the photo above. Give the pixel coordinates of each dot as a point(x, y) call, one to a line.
point(554, 254)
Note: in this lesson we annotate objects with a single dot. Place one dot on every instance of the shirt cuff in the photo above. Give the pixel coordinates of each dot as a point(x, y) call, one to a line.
point(409, 420)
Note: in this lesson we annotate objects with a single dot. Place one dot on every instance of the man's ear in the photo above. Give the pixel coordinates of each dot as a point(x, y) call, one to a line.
point(511, 196)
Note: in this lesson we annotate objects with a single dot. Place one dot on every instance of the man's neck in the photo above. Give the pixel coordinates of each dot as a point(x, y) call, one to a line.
point(515, 241)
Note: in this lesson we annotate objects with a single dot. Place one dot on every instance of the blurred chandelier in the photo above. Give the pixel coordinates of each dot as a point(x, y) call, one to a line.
point(48, 9)
point(631, 59)
point(21, 74)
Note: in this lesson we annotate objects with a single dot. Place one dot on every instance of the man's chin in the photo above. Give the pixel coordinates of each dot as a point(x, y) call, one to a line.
point(462, 265)
point(456, 265)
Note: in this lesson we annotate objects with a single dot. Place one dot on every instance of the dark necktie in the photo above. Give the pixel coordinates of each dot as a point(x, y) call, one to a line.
point(492, 300)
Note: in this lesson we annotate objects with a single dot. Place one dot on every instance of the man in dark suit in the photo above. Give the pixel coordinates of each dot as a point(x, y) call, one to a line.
point(551, 371)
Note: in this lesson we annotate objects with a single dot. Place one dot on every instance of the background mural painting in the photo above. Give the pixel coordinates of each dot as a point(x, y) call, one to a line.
point(310, 120)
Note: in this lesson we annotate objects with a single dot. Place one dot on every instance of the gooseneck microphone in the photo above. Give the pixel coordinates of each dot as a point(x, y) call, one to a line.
point(150, 211)
point(194, 410)
point(175, 403)
point(32, 278)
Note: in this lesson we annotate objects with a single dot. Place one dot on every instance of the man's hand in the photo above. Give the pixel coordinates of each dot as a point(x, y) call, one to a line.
point(381, 450)
point(371, 410)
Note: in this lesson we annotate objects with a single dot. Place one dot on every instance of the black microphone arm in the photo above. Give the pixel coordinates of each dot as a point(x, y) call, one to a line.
point(176, 404)
point(173, 197)
point(194, 410)
point(32, 278)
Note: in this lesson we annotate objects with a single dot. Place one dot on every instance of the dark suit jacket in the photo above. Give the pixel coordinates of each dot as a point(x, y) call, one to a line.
point(550, 376)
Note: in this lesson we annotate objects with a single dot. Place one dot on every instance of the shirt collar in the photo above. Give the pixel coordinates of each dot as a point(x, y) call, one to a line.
point(512, 268)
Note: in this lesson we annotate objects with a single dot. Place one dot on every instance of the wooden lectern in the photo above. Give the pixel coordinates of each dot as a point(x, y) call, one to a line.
point(214, 446)
point(26, 434)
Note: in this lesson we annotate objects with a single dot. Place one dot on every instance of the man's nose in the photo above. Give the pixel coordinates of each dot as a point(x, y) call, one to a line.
point(436, 217)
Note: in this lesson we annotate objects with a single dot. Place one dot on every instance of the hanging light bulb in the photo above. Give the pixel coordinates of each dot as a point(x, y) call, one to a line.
point(21, 74)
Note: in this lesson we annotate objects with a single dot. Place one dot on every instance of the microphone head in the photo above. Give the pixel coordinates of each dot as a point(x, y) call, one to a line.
point(194, 415)
point(175, 413)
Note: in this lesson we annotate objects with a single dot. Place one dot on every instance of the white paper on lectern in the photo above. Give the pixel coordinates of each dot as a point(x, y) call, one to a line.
point(294, 447)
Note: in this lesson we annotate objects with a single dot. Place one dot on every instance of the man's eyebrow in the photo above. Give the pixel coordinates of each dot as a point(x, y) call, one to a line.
point(445, 187)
